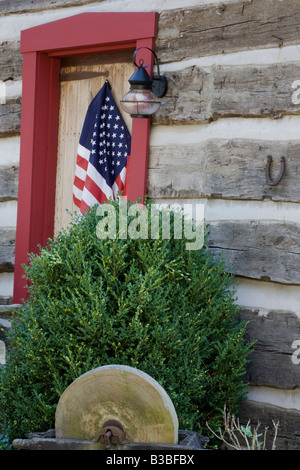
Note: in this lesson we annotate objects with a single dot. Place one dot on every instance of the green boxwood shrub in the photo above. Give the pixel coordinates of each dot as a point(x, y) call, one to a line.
point(150, 304)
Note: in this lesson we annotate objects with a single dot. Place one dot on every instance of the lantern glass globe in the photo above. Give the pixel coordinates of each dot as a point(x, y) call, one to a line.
point(140, 102)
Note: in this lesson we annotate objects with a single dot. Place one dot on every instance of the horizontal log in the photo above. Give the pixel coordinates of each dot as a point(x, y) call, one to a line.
point(7, 249)
point(288, 437)
point(263, 250)
point(257, 250)
point(184, 33)
point(10, 59)
point(228, 169)
point(9, 179)
point(10, 118)
point(196, 95)
point(254, 91)
point(274, 361)
point(10, 71)
point(6, 300)
point(187, 98)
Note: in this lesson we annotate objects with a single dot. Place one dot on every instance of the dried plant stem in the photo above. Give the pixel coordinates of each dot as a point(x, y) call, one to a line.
point(232, 429)
point(276, 426)
point(265, 437)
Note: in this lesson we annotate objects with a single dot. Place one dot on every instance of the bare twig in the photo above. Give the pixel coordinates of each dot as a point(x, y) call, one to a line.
point(265, 437)
point(232, 429)
point(276, 426)
point(221, 437)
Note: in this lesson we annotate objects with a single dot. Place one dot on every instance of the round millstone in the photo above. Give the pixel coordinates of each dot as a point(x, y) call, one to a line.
point(117, 393)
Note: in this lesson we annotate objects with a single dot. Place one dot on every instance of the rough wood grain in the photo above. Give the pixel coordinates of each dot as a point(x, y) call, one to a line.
point(198, 96)
point(10, 60)
point(7, 249)
point(228, 169)
point(272, 361)
point(263, 250)
point(187, 97)
point(10, 70)
point(254, 91)
point(289, 428)
point(195, 95)
point(5, 300)
point(218, 29)
point(9, 178)
point(10, 118)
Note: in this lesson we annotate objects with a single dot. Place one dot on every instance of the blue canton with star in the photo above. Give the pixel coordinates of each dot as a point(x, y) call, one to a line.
point(106, 136)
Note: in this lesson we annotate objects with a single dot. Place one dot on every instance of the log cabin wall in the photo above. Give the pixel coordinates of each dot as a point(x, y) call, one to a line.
point(234, 71)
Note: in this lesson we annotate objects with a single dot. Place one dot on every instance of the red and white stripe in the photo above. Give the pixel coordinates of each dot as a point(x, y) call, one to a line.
point(89, 187)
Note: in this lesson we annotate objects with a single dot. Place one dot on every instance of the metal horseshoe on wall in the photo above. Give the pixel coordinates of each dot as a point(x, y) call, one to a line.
point(270, 182)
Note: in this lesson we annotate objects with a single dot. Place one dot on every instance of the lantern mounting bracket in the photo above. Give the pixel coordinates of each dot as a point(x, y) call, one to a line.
point(159, 82)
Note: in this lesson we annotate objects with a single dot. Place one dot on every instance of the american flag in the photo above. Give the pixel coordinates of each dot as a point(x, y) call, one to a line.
point(102, 152)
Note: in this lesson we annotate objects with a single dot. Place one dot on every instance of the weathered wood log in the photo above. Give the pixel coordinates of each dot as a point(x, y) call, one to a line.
point(228, 169)
point(254, 91)
point(217, 29)
point(10, 118)
point(196, 95)
point(289, 428)
point(274, 361)
point(6, 299)
point(10, 60)
point(10, 70)
point(7, 249)
point(9, 178)
point(187, 99)
point(263, 250)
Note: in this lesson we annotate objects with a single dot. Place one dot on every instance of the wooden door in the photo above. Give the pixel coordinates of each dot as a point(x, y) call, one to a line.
point(81, 78)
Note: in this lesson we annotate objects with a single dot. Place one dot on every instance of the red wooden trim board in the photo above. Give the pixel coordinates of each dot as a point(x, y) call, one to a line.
point(42, 48)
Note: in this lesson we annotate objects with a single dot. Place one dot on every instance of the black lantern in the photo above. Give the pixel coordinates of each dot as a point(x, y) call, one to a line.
point(142, 98)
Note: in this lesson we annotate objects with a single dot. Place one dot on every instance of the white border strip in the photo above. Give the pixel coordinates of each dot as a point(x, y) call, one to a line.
point(266, 296)
point(289, 398)
point(217, 210)
point(286, 128)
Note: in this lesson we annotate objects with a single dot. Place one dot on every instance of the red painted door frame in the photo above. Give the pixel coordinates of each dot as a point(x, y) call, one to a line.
point(42, 48)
